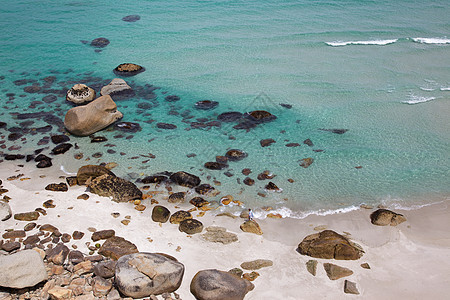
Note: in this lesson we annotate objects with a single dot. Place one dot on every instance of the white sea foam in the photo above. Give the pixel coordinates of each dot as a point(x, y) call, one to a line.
point(445, 88)
point(373, 42)
point(431, 40)
point(427, 89)
point(67, 173)
point(418, 99)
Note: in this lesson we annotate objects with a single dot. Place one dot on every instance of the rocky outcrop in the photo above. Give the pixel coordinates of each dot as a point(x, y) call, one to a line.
point(80, 94)
point(214, 285)
point(217, 234)
point(384, 217)
point(191, 226)
point(128, 69)
point(143, 274)
point(117, 87)
point(185, 179)
point(335, 272)
point(22, 269)
point(91, 172)
point(116, 247)
point(88, 119)
point(160, 214)
point(252, 227)
point(329, 244)
point(119, 189)
point(5, 210)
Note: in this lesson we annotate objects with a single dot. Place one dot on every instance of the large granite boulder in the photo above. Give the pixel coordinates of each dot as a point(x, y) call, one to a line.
point(5, 211)
point(143, 274)
point(119, 189)
point(185, 179)
point(384, 217)
point(22, 269)
point(116, 247)
point(91, 171)
point(117, 87)
point(80, 94)
point(329, 244)
point(219, 285)
point(90, 118)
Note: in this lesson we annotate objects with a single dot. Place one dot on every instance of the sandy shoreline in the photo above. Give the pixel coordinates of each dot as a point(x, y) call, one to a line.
point(410, 261)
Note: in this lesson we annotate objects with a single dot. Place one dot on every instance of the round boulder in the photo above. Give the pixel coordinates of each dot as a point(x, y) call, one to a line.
point(128, 69)
point(179, 216)
point(214, 284)
point(191, 226)
point(143, 274)
point(160, 214)
point(80, 94)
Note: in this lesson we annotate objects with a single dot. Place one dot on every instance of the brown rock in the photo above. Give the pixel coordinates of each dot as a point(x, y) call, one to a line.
point(191, 226)
point(198, 202)
point(77, 235)
point(176, 197)
point(58, 254)
point(11, 246)
point(83, 197)
point(250, 276)
point(28, 216)
point(75, 257)
point(252, 227)
point(306, 162)
point(115, 247)
point(57, 187)
point(83, 267)
point(65, 238)
point(59, 293)
point(384, 217)
point(335, 272)
point(266, 142)
point(160, 214)
point(329, 244)
point(119, 189)
point(14, 234)
point(72, 180)
point(179, 216)
point(365, 266)
point(350, 288)
point(101, 286)
point(103, 235)
point(248, 181)
point(48, 227)
point(128, 69)
point(217, 234)
point(32, 239)
point(185, 179)
point(246, 171)
point(29, 226)
point(91, 171)
point(49, 204)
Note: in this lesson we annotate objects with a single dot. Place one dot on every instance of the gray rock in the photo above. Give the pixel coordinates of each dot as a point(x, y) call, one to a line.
point(105, 269)
point(58, 254)
point(256, 264)
point(350, 288)
point(116, 86)
point(143, 274)
point(335, 272)
point(311, 266)
point(5, 211)
point(214, 284)
point(217, 234)
point(22, 269)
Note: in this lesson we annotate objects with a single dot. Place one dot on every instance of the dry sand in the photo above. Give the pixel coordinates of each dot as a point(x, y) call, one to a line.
point(410, 261)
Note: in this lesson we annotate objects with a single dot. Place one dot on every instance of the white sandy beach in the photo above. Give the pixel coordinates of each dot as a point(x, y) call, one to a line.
point(410, 261)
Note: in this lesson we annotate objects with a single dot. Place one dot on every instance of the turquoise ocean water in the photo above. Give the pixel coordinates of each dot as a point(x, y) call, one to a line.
point(380, 69)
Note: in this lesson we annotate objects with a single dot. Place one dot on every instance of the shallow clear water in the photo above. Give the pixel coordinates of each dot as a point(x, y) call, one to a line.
point(379, 69)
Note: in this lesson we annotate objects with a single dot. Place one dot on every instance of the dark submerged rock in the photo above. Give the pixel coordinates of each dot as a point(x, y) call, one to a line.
point(127, 126)
point(206, 104)
point(185, 179)
point(172, 98)
point(231, 116)
point(212, 165)
point(337, 131)
point(61, 148)
point(236, 155)
point(166, 126)
point(100, 42)
point(131, 18)
point(58, 139)
point(266, 142)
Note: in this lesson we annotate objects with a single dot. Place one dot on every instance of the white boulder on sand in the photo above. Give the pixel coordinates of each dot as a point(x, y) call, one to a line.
point(22, 269)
